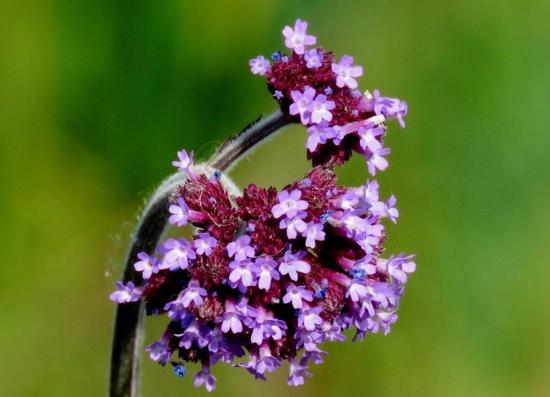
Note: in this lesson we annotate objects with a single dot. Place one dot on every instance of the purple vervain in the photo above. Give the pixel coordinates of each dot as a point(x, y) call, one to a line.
point(269, 275)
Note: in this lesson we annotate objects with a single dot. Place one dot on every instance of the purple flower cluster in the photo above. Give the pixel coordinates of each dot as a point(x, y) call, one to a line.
point(269, 275)
point(298, 267)
point(322, 93)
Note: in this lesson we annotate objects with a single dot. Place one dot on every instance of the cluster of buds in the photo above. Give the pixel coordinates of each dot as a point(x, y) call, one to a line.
point(270, 275)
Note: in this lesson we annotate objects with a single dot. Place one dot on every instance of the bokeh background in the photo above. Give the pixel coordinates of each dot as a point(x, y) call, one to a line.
point(96, 96)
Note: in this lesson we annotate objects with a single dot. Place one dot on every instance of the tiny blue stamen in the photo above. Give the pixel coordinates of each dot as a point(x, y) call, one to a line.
point(358, 274)
point(179, 370)
point(277, 55)
point(217, 174)
point(321, 293)
point(325, 217)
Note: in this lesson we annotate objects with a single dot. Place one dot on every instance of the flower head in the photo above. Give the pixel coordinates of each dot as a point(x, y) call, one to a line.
point(306, 266)
point(315, 88)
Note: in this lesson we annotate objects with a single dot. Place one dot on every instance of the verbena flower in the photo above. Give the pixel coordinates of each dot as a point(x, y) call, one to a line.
point(314, 87)
point(257, 296)
point(269, 275)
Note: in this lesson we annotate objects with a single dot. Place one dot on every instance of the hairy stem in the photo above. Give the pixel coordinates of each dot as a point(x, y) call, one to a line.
point(232, 151)
point(128, 329)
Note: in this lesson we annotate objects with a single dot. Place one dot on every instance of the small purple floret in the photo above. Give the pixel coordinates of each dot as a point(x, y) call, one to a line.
point(292, 264)
point(346, 72)
point(289, 204)
point(301, 104)
point(240, 249)
point(147, 265)
point(178, 254)
point(204, 244)
point(180, 213)
point(313, 58)
point(184, 162)
point(259, 66)
point(126, 293)
point(297, 39)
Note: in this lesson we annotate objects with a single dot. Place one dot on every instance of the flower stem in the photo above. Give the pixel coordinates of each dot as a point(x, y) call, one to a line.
point(233, 149)
point(128, 329)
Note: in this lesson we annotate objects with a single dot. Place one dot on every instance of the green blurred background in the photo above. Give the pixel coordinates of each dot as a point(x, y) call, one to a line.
point(96, 96)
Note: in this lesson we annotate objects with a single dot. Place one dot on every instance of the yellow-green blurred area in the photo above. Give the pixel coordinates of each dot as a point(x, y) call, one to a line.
point(96, 97)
